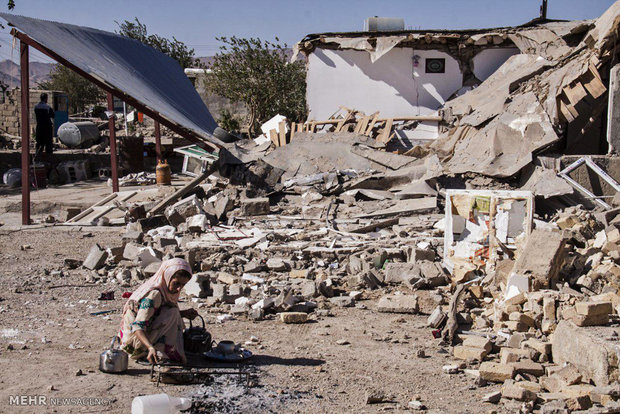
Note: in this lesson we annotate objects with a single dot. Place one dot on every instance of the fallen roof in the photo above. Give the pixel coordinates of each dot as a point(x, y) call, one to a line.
point(129, 67)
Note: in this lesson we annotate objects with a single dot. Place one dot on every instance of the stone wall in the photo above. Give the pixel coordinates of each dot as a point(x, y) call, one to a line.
point(10, 111)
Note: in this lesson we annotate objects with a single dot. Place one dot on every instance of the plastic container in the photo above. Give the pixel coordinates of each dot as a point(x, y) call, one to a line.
point(163, 173)
point(159, 404)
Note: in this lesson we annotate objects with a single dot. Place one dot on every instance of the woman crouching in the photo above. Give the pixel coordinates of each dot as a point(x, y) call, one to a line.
point(152, 322)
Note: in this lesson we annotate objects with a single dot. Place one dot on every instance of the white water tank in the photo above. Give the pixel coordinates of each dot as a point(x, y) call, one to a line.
point(384, 24)
point(76, 134)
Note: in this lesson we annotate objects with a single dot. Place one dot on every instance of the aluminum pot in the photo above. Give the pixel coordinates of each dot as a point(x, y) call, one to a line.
point(114, 361)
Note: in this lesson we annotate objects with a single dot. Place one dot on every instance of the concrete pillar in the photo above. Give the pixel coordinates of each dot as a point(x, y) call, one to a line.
point(613, 111)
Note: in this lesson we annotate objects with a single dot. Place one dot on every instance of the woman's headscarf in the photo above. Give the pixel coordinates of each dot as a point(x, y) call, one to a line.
point(160, 281)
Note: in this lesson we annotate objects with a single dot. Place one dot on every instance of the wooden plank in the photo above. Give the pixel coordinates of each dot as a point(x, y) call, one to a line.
point(385, 134)
point(282, 133)
point(371, 124)
point(273, 136)
point(293, 130)
point(89, 210)
point(566, 108)
point(593, 83)
point(313, 127)
point(358, 125)
point(414, 118)
point(575, 92)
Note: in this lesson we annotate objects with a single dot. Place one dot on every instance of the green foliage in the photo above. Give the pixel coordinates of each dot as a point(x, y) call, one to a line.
point(173, 48)
point(11, 4)
point(228, 121)
point(81, 92)
point(258, 74)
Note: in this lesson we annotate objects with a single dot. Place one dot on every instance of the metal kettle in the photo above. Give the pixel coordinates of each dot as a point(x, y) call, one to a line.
point(114, 361)
point(196, 339)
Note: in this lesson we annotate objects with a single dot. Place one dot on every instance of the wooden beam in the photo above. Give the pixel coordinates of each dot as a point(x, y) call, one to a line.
point(413, 118)
point(25, 129)
point(371, 124)
point(273, 136)
point(385, 134)
point(282, 133)
point(184, 132)
point(293, 130)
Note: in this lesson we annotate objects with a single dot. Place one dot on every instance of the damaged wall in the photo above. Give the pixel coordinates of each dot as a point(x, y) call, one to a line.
point(396, 84)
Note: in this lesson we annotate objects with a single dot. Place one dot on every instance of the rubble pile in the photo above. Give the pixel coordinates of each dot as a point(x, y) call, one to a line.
point(291, 232)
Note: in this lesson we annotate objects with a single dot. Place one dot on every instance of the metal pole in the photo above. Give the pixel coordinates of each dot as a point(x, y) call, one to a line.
point(113, 158)
point(158, 141)
point(25, 130)
point(125, 117)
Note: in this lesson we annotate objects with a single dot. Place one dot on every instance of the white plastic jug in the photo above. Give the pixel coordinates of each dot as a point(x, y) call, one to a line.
point(159, 404)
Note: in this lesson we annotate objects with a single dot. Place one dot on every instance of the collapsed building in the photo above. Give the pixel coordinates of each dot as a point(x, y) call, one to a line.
point(486, 226)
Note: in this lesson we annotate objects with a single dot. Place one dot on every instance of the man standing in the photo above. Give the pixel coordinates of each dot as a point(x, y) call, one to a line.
point(45, 130)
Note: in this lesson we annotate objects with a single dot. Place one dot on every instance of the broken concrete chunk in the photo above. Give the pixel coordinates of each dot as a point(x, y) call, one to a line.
point(587, 350)
point(198, 285)
point(254, 206)
point(342, 301)
point(541, 258)
point(276, 264)
point(398, 304)
point(436, 318)
point(96, 258)
point(197, 223)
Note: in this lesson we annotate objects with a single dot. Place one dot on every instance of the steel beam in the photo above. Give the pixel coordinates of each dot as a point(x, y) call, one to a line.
point(158, 141)
point(24, 69)
point(113, 156)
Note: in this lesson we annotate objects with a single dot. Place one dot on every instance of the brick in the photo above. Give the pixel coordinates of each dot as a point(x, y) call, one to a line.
point(477, 342)
point(542, 258)
point(513, 391)
point(527, 366)
point(436, 318)
point(469, 353)
point(508, 355)
point(299, 273)
point(293, 317)
point(595, 320)
point(522, 318)
point(593, 308)
point(342, 301)
point(227, 278)
point(569, 375)
point(537, 345)
point(398, 304)
point(197, 223)
point(491, 371)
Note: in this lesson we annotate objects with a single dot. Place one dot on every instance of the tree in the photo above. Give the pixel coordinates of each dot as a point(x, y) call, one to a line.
point(173, 48)
point(81, 92)
point(258, 74)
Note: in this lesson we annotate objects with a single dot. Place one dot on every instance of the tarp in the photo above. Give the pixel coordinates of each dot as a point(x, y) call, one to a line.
point(147, 75)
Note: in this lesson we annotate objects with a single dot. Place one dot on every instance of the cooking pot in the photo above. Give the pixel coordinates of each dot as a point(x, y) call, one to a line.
point(197, 339)
point(113, 361)
point(226, 347)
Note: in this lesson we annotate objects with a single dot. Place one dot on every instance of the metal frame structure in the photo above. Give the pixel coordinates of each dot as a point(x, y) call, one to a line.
point(26, 41)
point(588, 161)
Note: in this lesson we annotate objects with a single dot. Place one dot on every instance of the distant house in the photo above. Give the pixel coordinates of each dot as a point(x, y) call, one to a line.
point(410, 72)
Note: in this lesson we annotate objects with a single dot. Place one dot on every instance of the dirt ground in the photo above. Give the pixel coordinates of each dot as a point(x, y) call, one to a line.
point(297, 368)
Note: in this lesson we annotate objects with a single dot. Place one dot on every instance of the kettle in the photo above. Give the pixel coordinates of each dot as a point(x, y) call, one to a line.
point(113, 361)
point(197, 339)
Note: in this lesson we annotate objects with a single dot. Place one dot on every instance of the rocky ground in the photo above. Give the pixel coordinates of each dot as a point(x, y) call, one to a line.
point(51, 346)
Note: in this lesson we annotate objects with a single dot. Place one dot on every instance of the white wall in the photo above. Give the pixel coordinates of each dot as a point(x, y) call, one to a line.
point(488, 61)
point(347, 77)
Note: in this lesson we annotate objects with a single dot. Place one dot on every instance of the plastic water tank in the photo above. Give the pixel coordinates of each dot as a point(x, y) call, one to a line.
point(78, 134)
point(13, 177)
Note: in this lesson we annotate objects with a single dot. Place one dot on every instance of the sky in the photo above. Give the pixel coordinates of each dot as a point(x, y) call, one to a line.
point(197, 23)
